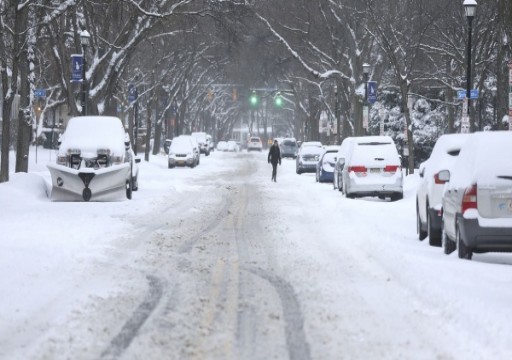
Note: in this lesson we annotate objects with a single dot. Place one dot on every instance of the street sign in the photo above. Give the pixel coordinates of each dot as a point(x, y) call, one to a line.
point(465, 107)
point(76, 67)
point(40, 92)
point(372, 92)
point(473, 94)
point(464, 126)
point(132, 93)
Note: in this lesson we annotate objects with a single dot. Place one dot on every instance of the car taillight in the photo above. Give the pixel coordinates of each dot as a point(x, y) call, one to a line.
point(391, 168)
point(469, 198)
point(357, 169)
point(437, 180)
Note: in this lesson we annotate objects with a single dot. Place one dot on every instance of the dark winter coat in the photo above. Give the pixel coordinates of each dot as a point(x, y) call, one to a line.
point(274, 155)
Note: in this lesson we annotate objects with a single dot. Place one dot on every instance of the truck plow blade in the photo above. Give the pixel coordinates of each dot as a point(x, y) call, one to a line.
point(106, 184)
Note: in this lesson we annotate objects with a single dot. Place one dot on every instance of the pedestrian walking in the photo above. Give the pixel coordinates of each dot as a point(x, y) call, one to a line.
point(274, 158)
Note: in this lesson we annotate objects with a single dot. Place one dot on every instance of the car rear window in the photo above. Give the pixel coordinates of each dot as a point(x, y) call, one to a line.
point(380, 151)
point(289, 143)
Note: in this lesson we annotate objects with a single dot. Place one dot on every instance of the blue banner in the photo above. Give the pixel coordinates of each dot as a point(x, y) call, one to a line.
point(132, 93)
point(76, 67)
point(372, 91)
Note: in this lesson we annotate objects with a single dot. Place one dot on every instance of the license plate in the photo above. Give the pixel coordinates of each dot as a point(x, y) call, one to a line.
point(181, 162)
point(375, 170)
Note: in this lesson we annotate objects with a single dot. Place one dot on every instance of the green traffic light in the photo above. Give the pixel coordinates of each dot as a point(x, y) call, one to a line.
point(254, 99)
point(278, 101)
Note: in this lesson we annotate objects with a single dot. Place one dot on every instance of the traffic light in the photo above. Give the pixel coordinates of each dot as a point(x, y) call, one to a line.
point(234, 94)
point(278, 100)
point(210, 95)
point(254, 99)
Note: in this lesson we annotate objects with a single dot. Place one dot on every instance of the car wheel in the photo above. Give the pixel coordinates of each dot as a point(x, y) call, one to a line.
point(422, 234)
point(397, 196)
point(135, 183)
point(434, 236)
point(448, 245)
point(464, 251)
point(129, 188)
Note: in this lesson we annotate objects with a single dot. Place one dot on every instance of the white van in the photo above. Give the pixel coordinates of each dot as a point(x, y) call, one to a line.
point(204, 142)
point(371, 167)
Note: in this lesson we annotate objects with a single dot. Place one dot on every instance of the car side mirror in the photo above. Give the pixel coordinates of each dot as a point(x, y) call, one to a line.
point(137, 160)
point(444, 175)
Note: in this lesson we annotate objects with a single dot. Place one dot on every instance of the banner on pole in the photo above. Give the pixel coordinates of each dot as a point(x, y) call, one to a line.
point(76, 67)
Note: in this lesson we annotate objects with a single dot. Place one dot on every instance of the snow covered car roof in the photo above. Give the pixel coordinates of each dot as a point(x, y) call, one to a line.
point(444, 153)
point(483, 158)
point(90, 133)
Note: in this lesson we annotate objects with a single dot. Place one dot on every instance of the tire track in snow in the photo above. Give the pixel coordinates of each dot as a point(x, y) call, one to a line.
point(130, 329)
point(296, 342)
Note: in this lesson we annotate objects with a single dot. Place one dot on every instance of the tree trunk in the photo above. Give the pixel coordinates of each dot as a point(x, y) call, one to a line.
point(6, 126)
point(408, 122)
point(24, 119)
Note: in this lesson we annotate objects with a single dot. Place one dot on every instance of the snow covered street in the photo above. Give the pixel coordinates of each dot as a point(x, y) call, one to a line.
point(218, 262)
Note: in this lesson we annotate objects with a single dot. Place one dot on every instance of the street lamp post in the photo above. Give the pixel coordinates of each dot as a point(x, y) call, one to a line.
point(366, 114)
point(84, 40)
point(337, 115)
point(470, 10)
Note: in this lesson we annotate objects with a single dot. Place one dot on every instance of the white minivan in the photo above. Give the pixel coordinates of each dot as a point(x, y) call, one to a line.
point(430, 189)
point(371, 167)
point(477, 200)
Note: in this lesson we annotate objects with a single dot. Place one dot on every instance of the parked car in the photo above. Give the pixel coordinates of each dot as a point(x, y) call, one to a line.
point(222, 146)
point(182, 152)
point(372, 167)
point(430, 189)
point(325, 166)
point(167, 145)
point(254, 143)
point(210, 142)
point(197, 149)
point(308, 156)
point(477, 202)
point(288, 148)
point(233, 146)
point(340, 163)
point(94, 161)
point(203, 142)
